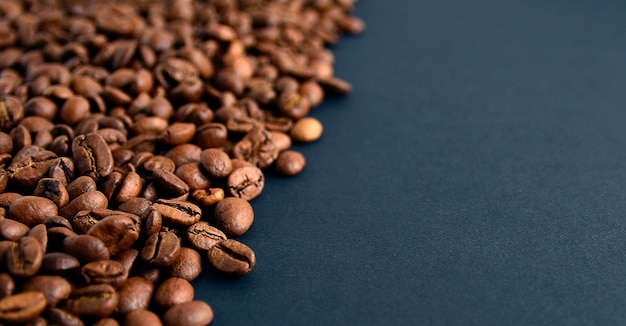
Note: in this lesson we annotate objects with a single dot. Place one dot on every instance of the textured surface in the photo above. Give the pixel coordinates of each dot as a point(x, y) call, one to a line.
point(475, 176)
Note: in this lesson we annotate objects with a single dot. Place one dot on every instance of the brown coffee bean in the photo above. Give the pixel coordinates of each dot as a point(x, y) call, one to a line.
point(188, 265)
point(12, 111)
point(105, 272)
point(7, 285)
point(293, 105)
point(127, 258)
point(173, 291)
point(141, 317)
point(40, 233)
point(178, 212)
point(74, 110)
point(184, 153)
point(307, 130)
point(290, 163)
point(233, 257)
point(313, 92)
point(98, 300)
point(107, 322)
point(282, 141)
point(41, 106)
point(87, 201)
point(58, 263)
point(161, 249)
point(81, 185)
point(169, 184)
point(234, 216)
point(25, 257)
point(130, 188)
point(117, 232)
point(177, 133)
point(216, 162)
point(335, 86)
point(257, 147)
point(12, 230)
point(159, 162)
point(86, 248)
point(152, 222)
point(208, 197)
point(54, 288)
point(134, 294)
point(56, 316)
point(246, 182)
point(211, 135)
point(193, 313)
point(54, 190)
point(22, 307)
point(193, 175)
point(92, 156)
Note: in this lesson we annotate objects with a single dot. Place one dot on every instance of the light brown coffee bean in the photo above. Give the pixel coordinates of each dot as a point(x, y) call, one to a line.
point(246, 182)
point(173, 291)
point(307, 130)
point(188, 265)
point(141, 317)
point(22, 307)
point(12, 230)
point(193, 313)
point(208, 197)
point(105, 272)
point(233, 257)
point(234, 216)
point(54, 288)
point(98, 300)
point(216, 162)
point(290, 163)
point(117, 232)
point(134, 294)
point(161, 249)
point(25, 257)
point(178, 212)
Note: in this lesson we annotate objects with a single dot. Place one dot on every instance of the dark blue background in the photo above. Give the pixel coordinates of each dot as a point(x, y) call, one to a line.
point(475, 176)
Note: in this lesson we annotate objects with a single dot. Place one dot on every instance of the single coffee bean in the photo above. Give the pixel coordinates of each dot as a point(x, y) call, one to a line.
point(211, 135)
point(107, 322)
point(208, 197)
point(282, 141)
point(74, 110)
point(234, 216)
point(137, 206)
point(203, 236)
point(22, 307)
point(134, 294)
point(173, 291)
point(216, 162)
point(193, 313)
point(306, 130)
point(127, 258)
point(246, 182)
point(130, 187)
point(184, 153)
point(40, 233)
point(193, 175)
point(161, 249)
point(12, 230)
point(59, 263)
point(117, 232)
point(7, 285)
point(290, 163)
point(56, 316)
point(25, 257)
point(87, 201)
point(92, 156)
point(32, 210)
point(169, 184)
point(105, 272)
point(54, 190)
point(86, 248)
point(54, 288)
point(233, 257)
point(81, 185)
point(98, 300)
point(152, 222)
point(177, 133)
point(257, 147)
point(141, 317)
point(178, 212)
point(188, 265)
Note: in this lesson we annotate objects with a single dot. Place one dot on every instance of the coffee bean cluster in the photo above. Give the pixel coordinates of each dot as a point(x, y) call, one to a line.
point(133, 135)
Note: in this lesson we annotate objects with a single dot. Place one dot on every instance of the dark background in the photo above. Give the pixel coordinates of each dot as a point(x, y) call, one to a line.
point(475, 176)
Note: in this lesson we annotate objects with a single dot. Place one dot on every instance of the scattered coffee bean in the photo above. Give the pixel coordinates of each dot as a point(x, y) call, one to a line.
point(234, 216)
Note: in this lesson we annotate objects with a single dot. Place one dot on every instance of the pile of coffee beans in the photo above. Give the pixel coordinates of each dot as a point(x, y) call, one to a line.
point(133, 135)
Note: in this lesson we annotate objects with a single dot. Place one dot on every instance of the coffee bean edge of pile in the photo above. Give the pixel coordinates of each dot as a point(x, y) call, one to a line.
point(134, 134)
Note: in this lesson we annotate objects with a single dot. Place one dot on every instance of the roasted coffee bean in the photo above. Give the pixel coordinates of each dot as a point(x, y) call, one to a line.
point(81, 185)
point(25, 257)
point(141, 317)
point(290, 163)
point(246, 182)
point(233, 257)
point(169, 184)
point(208, 197)
point(137, 206)
point(12, 230)
point(211, 135)
point(54, 190)
point(173, 291)
point(7, 285)
point(178, 212)
point(134, 294)
point(193, 175)
point(234, 216)
point(98, 300)
point(216, 162)
point(87, 201)
point(161, 249)
point(152, 222)
point(126, 258)
point(177, 133)
point(193, 313)
point(56, 316)
point(188, 264)
point(59, 263)
point(40, 233)
point(204, 236)
point(257, 148)
point(86, 248)
point(92, 156)
point(117, 232)
point(105, 272)
point(282, 141)
point(307, 130)
point(108, 322)
point(22, 307)
point(159, 162)
point(54, 288)
point(184, 153)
